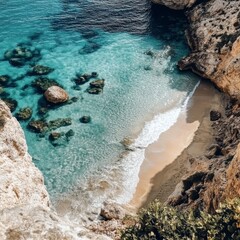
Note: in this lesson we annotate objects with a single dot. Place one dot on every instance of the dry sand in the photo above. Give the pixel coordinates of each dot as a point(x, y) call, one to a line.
point(166, 160)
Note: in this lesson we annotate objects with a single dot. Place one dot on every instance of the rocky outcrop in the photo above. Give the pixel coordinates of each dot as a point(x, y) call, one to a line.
point(20, 181)
point(214, 38)
point(176, 4)
point(232, 189)
point(25, 211)
point(215, 176)
point(27, 222)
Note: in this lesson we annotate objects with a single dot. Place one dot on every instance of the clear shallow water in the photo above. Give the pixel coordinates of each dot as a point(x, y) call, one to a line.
point(138, 87)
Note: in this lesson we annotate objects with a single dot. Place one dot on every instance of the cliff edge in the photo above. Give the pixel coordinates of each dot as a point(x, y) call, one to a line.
point(214, 39)
point(20, 181)
point(25, 211)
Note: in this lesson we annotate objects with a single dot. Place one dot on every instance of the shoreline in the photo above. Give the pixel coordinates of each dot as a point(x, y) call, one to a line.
point(166, 160)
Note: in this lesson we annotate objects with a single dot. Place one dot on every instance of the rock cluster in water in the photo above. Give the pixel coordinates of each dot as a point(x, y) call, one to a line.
point(22, 55)
point(96, 87)
point(53, 93)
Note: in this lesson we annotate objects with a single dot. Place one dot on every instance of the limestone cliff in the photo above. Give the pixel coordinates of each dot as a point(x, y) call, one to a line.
point(20, 181)
point(24, 201)
point(176, 4)
point(214, 39)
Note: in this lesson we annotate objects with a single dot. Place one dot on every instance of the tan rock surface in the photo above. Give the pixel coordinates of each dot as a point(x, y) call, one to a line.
point(35, 223)
point(20, 181)
point(233, 177)
point(24, 201)
point(176, 4)
point(56, 94)
point(214, 38)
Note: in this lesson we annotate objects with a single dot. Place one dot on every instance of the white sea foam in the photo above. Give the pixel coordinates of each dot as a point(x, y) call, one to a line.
point(117, 183)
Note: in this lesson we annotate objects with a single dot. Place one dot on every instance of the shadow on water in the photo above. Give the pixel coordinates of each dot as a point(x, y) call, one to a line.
point(166, 24)
point(110, 16)
point(135, 17)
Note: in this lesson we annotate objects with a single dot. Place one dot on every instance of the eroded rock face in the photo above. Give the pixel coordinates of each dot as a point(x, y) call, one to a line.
point(20, 181)
point(214, 177)
point(214, 38)
point(233, 177)
point(24, 201)
point(176, 4)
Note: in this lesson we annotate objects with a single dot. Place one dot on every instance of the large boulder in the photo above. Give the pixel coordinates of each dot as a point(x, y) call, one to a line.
point(56, 94)
point(214, 38)
point(176, 4)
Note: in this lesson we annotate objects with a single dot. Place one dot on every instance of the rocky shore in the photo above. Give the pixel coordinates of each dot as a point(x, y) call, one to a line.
point(25, 210)
point(213, 176)
point(213, 37)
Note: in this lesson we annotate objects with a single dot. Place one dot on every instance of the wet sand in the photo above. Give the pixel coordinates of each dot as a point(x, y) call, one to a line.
point(166, 160)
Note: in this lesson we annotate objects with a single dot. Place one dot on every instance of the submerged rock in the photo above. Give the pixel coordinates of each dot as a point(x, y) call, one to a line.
point(19, 52)
point(24, 113)
point(82, 79)
point(90, 47)
point(4, 80)
point(43, 83)
point(42, 110)
point(85, 119)
point(21, 55)
point(54, 136)
point(38, 126)
point(11, 103)
point(94, 90)
point(69, 134)
point(89, 34)
point(1, 90)
point(96, 86)
point(40, 70)
point(17, 62)
point(56, 95)
point(60, 122)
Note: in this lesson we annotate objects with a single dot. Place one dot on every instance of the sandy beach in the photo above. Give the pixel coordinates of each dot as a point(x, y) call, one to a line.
point(166, 160)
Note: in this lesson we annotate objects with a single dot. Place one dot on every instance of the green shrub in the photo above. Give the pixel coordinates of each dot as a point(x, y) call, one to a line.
point(159, 222)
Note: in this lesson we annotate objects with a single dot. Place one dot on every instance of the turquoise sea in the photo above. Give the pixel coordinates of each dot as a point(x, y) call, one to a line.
point(134, 46)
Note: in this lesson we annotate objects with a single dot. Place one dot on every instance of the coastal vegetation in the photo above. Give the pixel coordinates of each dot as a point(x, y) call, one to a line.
point(159, 221)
